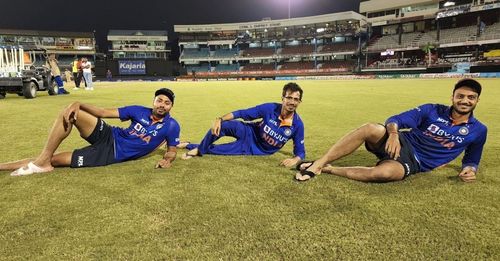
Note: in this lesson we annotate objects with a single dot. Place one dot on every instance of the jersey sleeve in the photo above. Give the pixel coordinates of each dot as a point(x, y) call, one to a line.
point(126, 112)
point(174, 130)
point(299, 149)
point(473, 152)
point(411, 118)
point(253, 113)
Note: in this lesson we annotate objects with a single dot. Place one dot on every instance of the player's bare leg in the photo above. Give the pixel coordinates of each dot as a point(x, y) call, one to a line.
point(85, 123)
point(386, 171)
point(14, 164)
point(371, 133)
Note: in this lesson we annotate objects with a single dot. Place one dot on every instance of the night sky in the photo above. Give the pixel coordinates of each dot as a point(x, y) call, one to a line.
point(103, 15)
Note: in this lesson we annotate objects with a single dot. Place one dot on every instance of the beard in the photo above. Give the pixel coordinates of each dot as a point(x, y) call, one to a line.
point(456, 108)
point(159, 113)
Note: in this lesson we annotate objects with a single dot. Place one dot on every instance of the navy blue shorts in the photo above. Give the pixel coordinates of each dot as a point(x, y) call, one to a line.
point(406, 155)
point(101, 152)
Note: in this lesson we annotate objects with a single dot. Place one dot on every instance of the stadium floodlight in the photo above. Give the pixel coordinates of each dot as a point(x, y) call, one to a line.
point(449, 3)
point(320, 30)
point(289, 3)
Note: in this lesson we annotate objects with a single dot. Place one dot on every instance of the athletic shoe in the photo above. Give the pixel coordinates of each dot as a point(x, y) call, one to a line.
point(63, 91)
point(76, 88)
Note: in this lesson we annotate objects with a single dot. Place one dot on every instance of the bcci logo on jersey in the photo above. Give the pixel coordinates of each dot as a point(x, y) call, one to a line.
point(463, 131)
point(433, 128)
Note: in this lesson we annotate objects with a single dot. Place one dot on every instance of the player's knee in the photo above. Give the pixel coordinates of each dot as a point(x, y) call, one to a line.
point(372, 129)
point(381, 175)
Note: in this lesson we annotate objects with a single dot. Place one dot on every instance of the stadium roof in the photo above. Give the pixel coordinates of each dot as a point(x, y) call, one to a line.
point(326, 18)
point(137, 33)
point(378, 5)
point(17, 32)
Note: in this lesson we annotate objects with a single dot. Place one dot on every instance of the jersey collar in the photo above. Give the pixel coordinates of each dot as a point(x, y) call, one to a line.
point(471, 118)
point(286, 122)
point(161, 120)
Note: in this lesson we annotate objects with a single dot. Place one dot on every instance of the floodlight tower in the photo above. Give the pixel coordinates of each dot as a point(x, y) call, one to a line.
point(289, 3)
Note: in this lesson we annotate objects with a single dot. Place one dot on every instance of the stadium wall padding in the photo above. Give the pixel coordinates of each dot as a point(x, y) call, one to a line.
point(153, 68)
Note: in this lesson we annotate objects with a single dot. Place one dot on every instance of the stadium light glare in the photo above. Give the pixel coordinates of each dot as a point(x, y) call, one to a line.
point(449, 3)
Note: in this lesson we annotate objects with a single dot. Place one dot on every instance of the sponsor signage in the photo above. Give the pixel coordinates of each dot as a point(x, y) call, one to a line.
point(132, 67)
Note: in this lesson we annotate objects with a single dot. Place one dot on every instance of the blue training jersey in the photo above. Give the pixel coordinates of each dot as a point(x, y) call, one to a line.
point(436, 140)
point(143, 135)
point(272, 132)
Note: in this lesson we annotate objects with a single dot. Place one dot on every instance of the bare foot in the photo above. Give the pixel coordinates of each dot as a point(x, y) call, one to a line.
point(190, 154)
point(183, 144)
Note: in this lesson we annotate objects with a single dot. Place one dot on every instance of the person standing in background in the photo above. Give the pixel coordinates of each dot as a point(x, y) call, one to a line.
point(53, 65)
point(75, 69)
point(87, 74)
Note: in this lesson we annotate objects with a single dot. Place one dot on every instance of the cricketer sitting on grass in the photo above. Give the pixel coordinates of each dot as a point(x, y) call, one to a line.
point(278, 123)
point(149, 128)
point(437, 135)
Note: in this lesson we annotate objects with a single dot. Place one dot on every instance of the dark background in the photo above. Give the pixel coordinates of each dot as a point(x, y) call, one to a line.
point(101, 16)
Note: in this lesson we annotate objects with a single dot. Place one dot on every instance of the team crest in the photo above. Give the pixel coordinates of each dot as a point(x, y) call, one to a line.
point(288, 132)
point(463, 131)
point(433, 128)
point(159, 126)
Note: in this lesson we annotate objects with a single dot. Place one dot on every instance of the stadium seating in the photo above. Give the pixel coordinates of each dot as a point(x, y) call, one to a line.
point(195, 53)
point(419, 39)
point(456, 35)
point(306, 65)
point(258, 67)
point(490, 32)
point(225, 53)
point(299, 50)
point(197, 68)
point(337, 64)
point(338, 47)
point(258, 52)
point(226, 68)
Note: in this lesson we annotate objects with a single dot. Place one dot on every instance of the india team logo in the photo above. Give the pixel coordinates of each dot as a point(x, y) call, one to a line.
point(463, 131)
point(433, 128)
point(288, 132)
point(159, 126)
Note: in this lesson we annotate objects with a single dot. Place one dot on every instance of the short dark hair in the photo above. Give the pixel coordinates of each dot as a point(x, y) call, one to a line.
point(167, 92)
point(471, 83)
point(292, 87)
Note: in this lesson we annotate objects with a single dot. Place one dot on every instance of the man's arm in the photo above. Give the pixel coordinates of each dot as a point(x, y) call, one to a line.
point(299, 149)
point(71, 112)
point(218, 121)
point(472, 157)
point(408, 119)
point(168, 158)
point(100, 112)
point(392, 145)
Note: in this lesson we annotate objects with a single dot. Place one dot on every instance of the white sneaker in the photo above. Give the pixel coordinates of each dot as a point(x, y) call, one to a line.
point(87, 89)
point(76, 89)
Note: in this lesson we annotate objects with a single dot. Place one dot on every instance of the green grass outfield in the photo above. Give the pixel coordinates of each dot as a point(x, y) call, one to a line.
point(237, 207)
